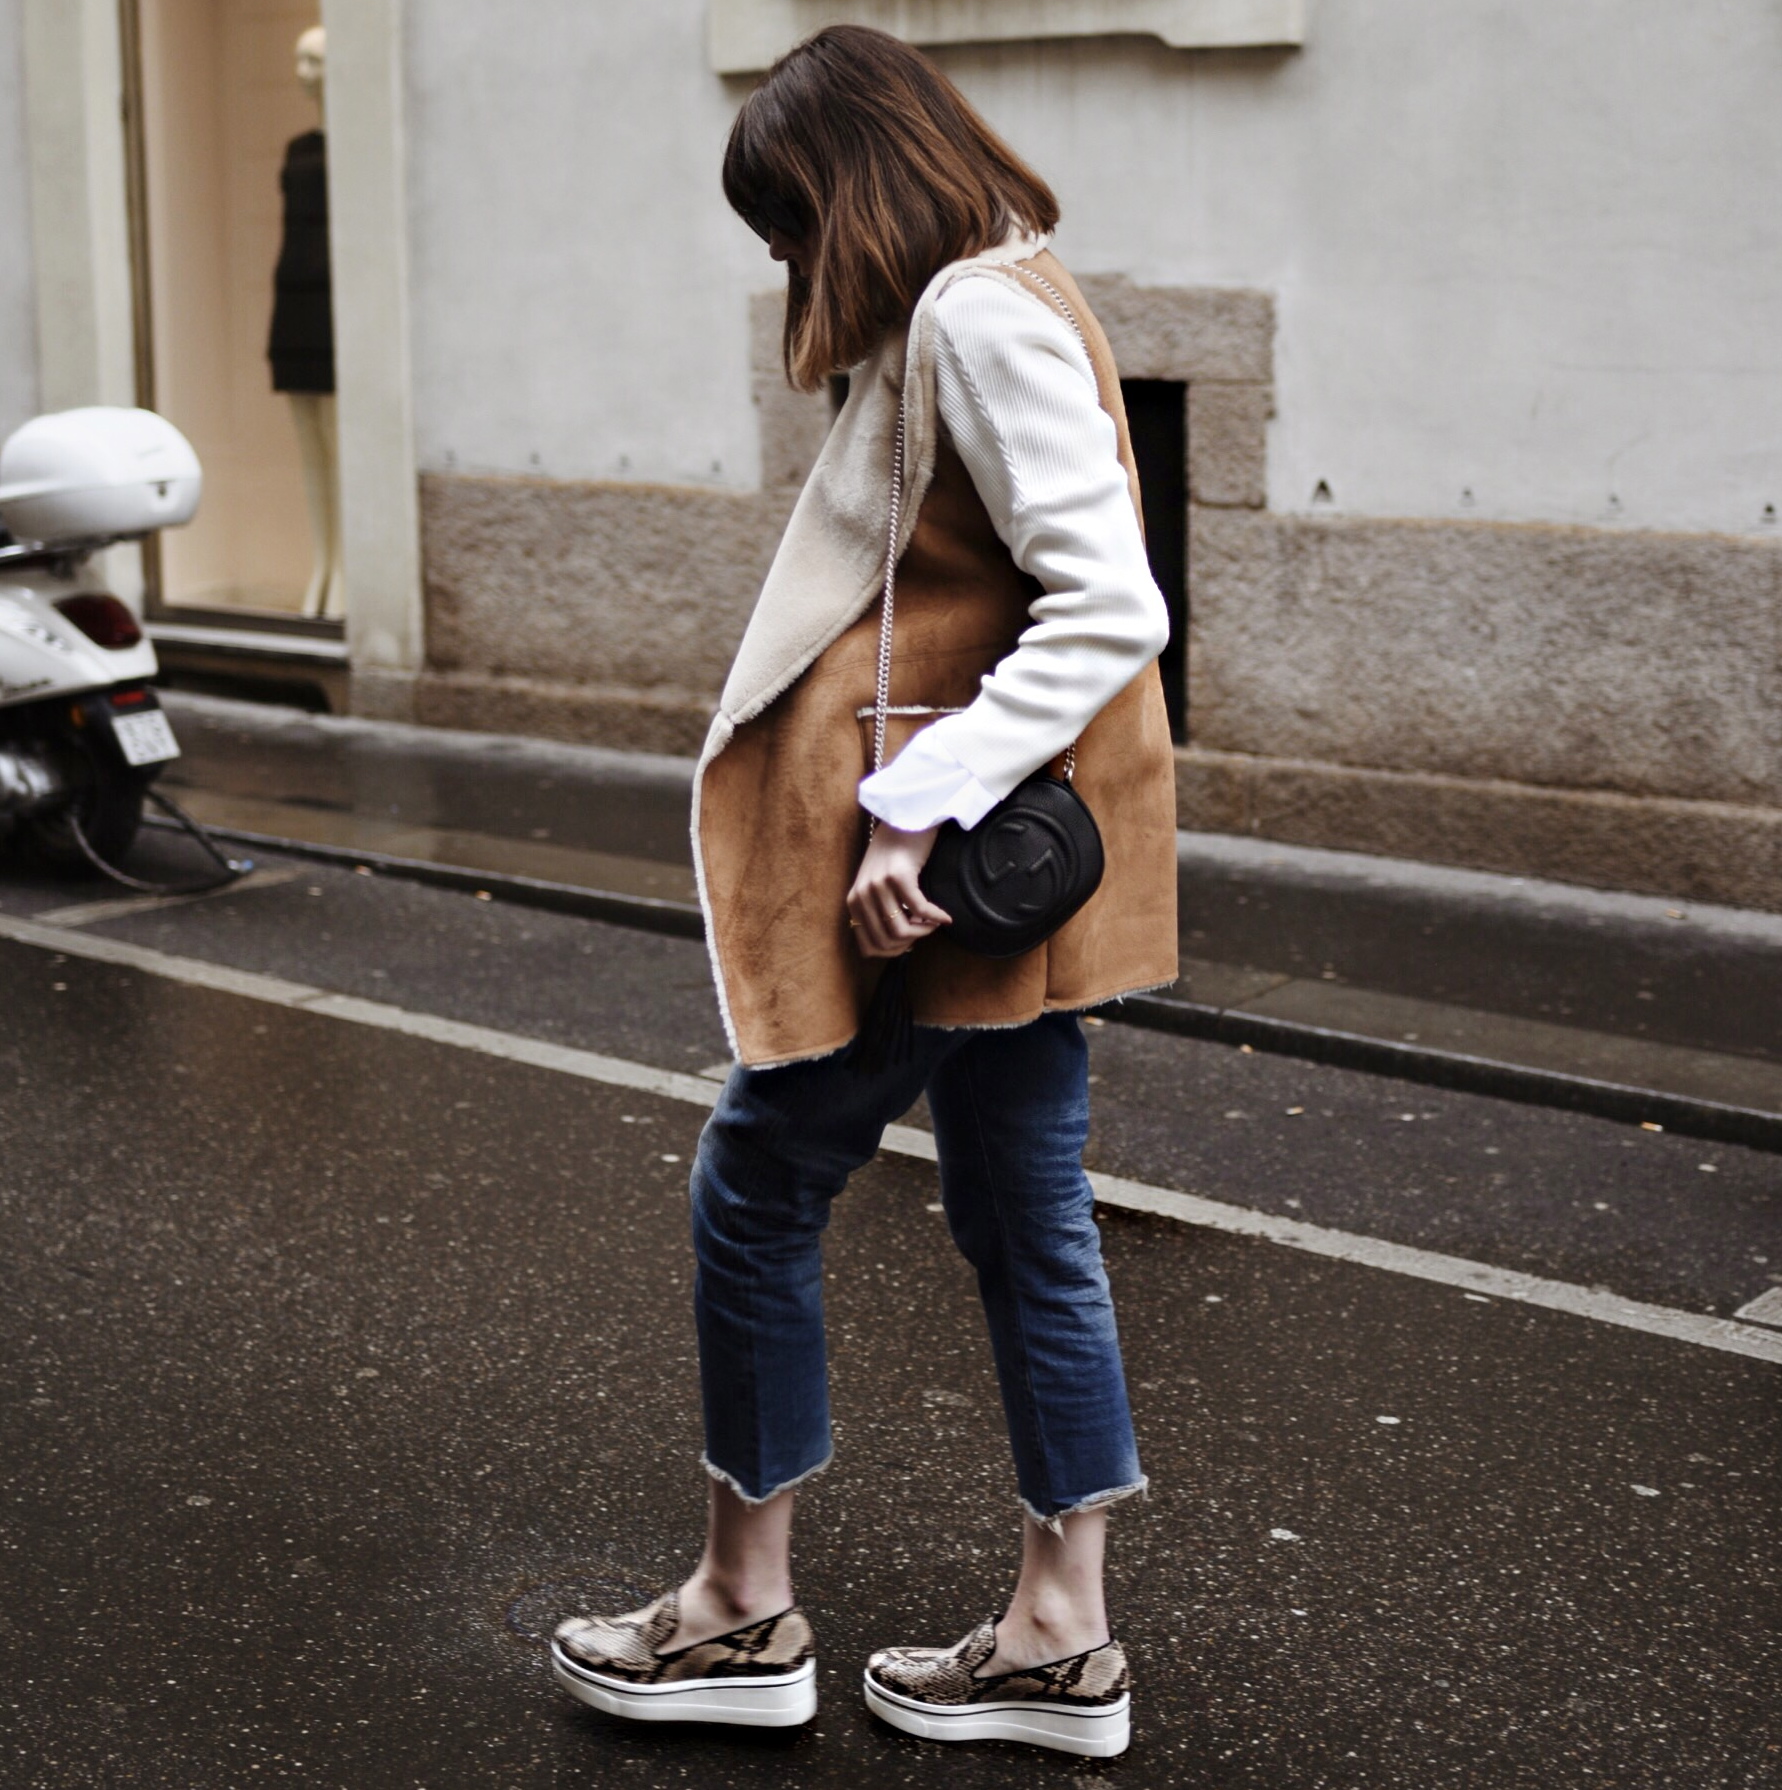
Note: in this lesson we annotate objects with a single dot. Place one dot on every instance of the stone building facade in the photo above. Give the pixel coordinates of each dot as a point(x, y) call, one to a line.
point(1470, 316)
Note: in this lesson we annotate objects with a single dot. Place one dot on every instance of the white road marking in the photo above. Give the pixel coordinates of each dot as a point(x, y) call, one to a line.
point(1766, 1308)
point(1474, 1279)
point(91, 913)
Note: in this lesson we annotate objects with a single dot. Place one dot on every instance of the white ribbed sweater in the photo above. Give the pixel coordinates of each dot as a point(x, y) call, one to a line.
point(1018, 397)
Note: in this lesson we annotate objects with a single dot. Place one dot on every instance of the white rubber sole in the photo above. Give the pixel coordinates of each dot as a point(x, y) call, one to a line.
point(778, 1702)
point(1091, 1733)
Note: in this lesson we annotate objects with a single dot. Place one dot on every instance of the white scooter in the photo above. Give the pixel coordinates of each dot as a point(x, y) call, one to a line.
point(82, 733)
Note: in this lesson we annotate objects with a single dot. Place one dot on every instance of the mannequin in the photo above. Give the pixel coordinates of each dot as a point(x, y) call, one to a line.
point(301, 346)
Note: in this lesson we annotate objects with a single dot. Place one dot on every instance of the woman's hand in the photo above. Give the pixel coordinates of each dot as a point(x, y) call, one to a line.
point(886, 906)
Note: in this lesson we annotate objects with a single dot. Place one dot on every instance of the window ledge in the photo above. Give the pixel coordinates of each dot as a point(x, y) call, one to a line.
point(745, 36)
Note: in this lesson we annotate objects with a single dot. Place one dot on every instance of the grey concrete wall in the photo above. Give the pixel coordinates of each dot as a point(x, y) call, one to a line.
point(1524, 266)
point(18, 295)
point(1371, 705)
point(1589, 705)
point(580, 289)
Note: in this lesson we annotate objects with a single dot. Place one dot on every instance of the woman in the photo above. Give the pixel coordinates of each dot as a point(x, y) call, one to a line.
point(1026, 620)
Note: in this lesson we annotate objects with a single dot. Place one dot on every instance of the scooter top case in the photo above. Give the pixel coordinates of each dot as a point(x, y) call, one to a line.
point(83, 478)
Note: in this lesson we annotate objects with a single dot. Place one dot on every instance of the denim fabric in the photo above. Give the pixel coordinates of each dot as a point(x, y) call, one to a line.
point(1011, 1113)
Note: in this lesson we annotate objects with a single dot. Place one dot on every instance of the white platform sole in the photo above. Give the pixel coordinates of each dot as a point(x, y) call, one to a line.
point(1092, 1733)
point(778, 1702)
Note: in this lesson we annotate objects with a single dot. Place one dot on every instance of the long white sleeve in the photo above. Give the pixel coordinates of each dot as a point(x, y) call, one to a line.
point(1018, 398)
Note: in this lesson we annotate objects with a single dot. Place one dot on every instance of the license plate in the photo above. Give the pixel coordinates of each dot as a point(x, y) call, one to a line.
point(145, 738)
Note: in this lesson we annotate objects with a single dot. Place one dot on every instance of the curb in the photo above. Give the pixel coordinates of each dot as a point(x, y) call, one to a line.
point(1452, 1070)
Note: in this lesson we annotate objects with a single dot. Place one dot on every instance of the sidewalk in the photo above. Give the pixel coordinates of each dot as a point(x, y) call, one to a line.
point(1627, 1005)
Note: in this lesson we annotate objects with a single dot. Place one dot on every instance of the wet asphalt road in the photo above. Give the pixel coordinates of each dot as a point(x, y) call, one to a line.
point(340, 1364)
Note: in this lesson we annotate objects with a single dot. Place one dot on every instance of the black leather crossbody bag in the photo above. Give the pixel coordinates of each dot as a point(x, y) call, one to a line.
point(1020, 873)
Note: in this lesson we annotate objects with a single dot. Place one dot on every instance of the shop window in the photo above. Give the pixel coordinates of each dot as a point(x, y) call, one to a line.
point(231, 188)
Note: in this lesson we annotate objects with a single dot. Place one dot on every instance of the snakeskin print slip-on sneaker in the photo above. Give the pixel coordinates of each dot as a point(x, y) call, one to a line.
point(761, 1676)
point(1079, 1705)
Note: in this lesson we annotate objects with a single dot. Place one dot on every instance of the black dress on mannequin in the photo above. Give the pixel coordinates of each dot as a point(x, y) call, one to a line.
point(301, 347)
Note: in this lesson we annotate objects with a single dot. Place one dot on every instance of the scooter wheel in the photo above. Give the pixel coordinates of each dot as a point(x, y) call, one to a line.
point(110, 809)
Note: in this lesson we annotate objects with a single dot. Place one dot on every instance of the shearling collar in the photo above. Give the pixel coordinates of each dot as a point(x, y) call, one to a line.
point(831, 561)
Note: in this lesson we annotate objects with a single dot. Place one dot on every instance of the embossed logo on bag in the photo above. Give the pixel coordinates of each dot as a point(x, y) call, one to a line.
point(1027, 849)
point(1017, 877)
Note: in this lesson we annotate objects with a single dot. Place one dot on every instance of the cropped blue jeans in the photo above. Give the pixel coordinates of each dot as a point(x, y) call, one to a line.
point(1011, 1114)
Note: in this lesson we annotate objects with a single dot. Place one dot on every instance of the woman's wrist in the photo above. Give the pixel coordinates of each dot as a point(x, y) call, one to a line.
point(925, 786)
point(886, 907)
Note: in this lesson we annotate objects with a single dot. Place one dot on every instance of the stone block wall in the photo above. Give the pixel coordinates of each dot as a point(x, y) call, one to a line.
point(606, 613)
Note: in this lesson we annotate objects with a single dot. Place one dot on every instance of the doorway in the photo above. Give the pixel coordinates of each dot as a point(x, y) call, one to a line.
point(1157, 415)
point(218, 103)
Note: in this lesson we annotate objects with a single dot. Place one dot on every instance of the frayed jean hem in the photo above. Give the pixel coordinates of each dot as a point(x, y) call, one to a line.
point(735, 1485)
point(1095, 1501)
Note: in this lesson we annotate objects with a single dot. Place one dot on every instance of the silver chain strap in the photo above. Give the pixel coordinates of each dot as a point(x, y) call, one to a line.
point(882, 697)
point(882, 700)
point(1062, 303)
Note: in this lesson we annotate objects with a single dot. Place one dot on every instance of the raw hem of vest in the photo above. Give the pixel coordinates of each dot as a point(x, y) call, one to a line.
point(725, 725)
point(1086, 1004)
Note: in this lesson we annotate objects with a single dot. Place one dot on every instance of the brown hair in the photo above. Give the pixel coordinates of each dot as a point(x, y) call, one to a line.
point(862, 148)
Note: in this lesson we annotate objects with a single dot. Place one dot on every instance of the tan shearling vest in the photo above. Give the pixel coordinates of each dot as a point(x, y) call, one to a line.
point(778, 832)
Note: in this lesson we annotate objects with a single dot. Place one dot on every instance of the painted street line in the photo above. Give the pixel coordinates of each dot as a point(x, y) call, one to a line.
point(92, 913)
point(1474, 1278)
point(1766, 1308)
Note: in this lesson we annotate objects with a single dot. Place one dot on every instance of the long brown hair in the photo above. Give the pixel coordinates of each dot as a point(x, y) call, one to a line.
point(860, 147)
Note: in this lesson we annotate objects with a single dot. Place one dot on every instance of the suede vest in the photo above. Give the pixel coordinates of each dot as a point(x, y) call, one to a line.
point(778, 830)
